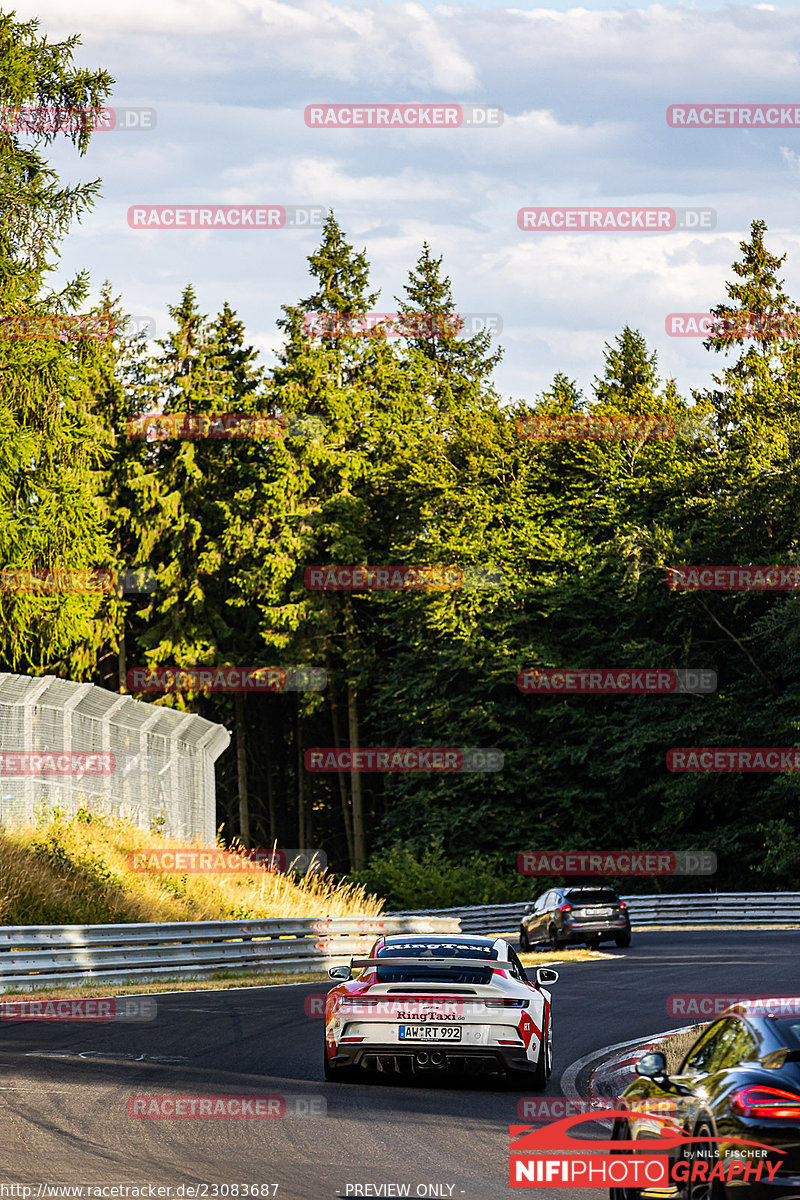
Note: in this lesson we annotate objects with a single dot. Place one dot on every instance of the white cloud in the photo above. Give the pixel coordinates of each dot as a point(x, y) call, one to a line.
point(322, 178)
point(403, 45)
point(584, 92)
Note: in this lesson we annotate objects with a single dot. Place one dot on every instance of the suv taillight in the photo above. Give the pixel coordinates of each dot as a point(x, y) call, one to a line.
point(565, 908)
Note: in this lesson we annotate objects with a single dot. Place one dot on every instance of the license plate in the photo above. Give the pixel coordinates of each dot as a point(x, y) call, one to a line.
point(430, 1033)
point(597, 912)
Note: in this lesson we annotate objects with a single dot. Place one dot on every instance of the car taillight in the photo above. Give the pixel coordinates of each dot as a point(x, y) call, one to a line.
point(622, 904)
point(505, 1004)
point(757, 1100)
point(565, 908)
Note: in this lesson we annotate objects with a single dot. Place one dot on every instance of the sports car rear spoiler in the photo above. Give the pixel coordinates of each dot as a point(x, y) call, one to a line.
point(459, 963)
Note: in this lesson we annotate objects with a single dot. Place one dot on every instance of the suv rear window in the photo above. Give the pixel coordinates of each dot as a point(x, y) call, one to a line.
point(593, 897)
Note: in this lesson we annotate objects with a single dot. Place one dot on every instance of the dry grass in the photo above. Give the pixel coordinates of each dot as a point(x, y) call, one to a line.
point(562, 956)
point(76, 871)
point(675, 1048)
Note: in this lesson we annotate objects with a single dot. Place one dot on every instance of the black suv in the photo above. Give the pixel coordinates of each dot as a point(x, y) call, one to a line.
point(582, 913)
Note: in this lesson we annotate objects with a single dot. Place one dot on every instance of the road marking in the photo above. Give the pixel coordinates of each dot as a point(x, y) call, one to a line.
point(108, 1055)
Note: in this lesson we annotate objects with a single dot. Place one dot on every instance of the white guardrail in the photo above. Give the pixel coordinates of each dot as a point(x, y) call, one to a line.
point(47, 955)
point(40, 955)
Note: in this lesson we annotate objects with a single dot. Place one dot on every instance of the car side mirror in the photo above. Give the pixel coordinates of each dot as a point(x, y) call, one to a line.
point(341, 974)
point(652, 1066)
point(528, 908)
point(546, 975)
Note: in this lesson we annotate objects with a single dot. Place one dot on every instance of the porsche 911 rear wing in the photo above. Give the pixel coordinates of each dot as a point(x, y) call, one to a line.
point(469, 964)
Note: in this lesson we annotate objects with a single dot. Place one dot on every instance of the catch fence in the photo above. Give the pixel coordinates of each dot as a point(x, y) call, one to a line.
point(158, 764)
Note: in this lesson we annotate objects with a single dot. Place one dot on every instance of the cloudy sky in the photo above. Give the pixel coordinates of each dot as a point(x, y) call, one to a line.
point(584, 92)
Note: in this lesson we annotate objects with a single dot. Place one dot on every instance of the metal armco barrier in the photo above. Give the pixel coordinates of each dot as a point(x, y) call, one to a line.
point(40, 955)
point(779, 909)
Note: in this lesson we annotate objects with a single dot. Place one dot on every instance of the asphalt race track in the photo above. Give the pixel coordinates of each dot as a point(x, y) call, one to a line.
point(64, 1087)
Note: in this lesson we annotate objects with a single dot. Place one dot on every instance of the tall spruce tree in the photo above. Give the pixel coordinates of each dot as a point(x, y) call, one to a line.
point(187, 491)
point(53, 444)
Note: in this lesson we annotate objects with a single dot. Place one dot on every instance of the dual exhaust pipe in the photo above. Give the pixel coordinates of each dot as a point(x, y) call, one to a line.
point(434, 1059)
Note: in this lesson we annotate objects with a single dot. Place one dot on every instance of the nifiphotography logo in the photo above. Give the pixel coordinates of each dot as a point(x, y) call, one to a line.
point(548, 1156)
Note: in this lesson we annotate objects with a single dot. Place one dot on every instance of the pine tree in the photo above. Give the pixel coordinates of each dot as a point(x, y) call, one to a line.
point(339, 379)
point(53, 446)
point(174, 508)
point(195, 517)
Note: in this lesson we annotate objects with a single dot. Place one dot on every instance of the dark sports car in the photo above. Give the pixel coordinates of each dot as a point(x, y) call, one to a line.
point(739, 1082)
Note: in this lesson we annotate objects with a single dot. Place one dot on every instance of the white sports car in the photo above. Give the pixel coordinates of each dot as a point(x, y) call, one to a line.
point(427, 1003)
